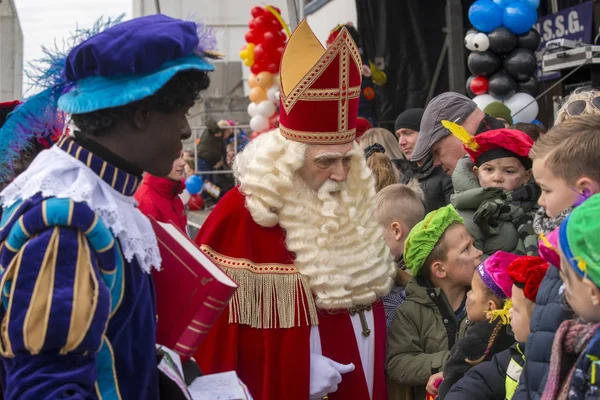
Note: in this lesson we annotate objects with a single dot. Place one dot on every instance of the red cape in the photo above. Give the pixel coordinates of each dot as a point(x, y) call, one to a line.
point(267, 338)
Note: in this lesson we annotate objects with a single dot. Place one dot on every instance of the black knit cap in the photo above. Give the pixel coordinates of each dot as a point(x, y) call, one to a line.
point(409, 119)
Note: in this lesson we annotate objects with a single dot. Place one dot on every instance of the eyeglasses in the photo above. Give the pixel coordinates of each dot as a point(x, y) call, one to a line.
point(578, 107)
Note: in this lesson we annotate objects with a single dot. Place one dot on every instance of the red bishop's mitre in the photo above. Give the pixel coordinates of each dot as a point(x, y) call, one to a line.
point(320, 88)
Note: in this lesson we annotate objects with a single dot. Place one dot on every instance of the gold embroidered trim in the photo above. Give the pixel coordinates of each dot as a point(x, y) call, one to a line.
point(241, 263)
point(318, 137)
point(269, 295)
point(329, 94)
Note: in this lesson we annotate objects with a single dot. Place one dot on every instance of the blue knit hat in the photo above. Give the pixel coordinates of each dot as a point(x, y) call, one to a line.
point(109, 65)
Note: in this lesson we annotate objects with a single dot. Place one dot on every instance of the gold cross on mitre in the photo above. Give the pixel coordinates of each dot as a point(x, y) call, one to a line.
point(320, 88)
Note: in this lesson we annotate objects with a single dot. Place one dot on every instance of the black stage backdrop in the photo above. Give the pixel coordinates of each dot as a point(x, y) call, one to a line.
point(408, 35)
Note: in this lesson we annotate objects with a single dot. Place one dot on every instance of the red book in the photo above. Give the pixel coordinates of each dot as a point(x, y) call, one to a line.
point(191, 291)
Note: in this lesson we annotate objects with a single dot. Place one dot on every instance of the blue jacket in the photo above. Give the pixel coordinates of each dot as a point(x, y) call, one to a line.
point(78, 320)
point(547, 316)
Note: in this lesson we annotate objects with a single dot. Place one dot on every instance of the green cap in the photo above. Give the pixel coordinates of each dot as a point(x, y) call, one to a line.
point(583, 239)
point(426, 234)
point(499, 110)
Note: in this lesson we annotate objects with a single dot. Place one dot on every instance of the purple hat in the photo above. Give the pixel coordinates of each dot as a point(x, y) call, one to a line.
point(547, 247)
point(494, 273)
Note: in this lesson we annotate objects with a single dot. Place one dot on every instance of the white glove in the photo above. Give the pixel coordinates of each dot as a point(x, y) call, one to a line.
point(325, 375)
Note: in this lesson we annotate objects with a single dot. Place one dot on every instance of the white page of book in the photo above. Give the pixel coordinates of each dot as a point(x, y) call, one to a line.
point(223, 386)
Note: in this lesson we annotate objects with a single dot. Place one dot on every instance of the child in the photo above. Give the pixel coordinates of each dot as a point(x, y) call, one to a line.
point(498, 378)
point(399, 209)
point(495, 195)
point(566, 167)
point(440, 254)
point(488, 303)
point(384, 171)
point(576, 348)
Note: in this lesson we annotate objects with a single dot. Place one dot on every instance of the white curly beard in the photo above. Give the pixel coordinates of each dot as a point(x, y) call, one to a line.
point(337, 242)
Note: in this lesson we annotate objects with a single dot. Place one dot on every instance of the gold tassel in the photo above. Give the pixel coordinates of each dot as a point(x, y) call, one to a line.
point(268, 301)
point(501, 313)
point(462, 134)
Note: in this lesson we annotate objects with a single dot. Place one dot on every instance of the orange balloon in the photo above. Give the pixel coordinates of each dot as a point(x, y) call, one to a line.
point(252, 81)
point(265, 80)
point(257, 95)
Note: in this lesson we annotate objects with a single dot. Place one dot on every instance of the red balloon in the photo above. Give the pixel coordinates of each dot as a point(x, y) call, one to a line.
point(260, 53)
point(280, 37)
point(257, 68)
point(270, 40)
point(251, 36)
point(273, 68)
point(277, 9)
point(195, 202)
point(251, 24)
point(479, 85)
point(262, 24)
point(257, 11)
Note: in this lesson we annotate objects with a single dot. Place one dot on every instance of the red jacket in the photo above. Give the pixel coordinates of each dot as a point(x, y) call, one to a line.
point(159, 198)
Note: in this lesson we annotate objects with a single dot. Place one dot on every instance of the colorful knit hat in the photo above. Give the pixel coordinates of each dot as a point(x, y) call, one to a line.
point(426, 234)
point(528, 271)
point(548, 246)
point(579, 238)
point(110, 65)
point(499, 110)
point(494, 273)
point(494, 144)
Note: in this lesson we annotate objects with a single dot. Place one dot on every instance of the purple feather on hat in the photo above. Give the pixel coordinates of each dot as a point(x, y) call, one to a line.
point(547, 247)
point(494, 273)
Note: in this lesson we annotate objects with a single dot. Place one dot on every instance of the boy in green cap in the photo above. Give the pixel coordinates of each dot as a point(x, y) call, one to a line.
point(440, 254)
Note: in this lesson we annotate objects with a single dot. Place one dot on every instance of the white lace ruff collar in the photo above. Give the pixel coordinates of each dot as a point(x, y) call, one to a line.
point(54, 173)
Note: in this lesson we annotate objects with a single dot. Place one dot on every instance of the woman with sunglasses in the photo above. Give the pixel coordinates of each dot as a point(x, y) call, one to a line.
point(579, 103)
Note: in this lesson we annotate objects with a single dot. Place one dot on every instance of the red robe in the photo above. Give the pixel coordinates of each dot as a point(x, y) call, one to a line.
point(267, 340)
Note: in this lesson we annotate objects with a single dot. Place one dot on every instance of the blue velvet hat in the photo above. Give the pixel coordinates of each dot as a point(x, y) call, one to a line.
point(110, 65)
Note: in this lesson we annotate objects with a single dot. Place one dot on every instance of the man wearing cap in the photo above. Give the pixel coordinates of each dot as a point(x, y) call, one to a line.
point(434, 138)
point(77, 313)
point(298, 236)
point(435, 183)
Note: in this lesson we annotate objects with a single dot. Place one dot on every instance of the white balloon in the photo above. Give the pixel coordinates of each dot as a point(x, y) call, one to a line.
point(483, 100)
point(273, 94)
point(259, 123)
point(252, 109)
point(469, 40)
point(481, 42)
point(266, 108)
point(525, 105)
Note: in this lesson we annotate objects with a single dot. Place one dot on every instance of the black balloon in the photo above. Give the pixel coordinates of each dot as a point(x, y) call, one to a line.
point(502, 41)
point(502, 85)
point(520, 63)
point(468, 87)
point(530, 40)
point(483, 63)
point(530, 86)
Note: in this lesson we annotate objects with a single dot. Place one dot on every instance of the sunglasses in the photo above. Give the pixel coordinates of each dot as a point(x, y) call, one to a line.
point(578, 107)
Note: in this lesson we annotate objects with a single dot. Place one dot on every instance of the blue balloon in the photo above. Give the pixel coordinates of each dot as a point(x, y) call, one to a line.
point(534, 4)
point(485, 15)
point(519, 18)
point(500, 3)
point(193, 184)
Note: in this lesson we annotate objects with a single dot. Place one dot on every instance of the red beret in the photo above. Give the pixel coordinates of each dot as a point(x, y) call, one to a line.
point(528, 271)
point(512, 140)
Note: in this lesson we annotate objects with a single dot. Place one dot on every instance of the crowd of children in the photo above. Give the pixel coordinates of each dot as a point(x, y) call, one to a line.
point(497, 293)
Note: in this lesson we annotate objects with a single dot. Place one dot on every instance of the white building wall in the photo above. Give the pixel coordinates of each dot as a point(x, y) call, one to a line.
point(11, 52)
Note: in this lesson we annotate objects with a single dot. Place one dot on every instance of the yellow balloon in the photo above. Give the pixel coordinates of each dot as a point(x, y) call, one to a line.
point(252, 81)
point(257, 95)
point(248, 62)
point(265, 80)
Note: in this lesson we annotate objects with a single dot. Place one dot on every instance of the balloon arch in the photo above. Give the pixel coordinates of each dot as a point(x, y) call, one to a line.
point(502, 59)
